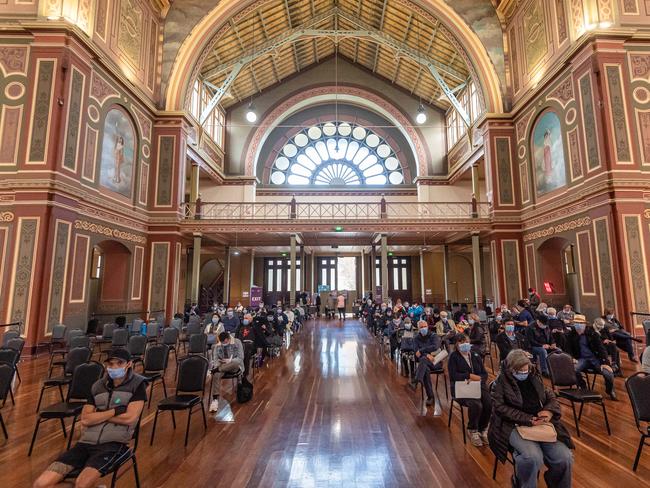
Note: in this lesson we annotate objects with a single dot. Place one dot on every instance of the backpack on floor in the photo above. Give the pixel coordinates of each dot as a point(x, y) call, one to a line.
point(244, 391)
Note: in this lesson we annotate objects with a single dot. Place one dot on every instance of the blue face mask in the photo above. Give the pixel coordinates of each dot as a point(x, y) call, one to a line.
point(116, 373)
point(245, 321)
point(580, 327)
point(470, 321)
point(465, 347)
point(424, 331)
point(520, 376)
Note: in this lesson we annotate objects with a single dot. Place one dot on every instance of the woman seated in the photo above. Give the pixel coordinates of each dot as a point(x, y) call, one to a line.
point(467, 365)
point(519, 398)
point(476, 333)
point(623, 338)
point(509, 339)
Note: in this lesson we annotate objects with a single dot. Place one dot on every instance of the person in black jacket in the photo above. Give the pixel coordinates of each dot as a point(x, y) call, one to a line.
point(584, 344)
point(557, 326)
point(609, 342)
point(541, 341)
point(509, 339)
point(467, 365)
point(476, 334)
point(519, 397)
point(427, 346)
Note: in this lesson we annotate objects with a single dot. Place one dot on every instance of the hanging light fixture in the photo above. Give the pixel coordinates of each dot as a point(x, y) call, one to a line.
point(421, 116)
point(251, 115)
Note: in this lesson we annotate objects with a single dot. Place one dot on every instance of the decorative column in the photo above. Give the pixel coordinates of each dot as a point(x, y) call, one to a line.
point(252, 280)
point(194, 182)
point(445, 272)
point(226, 279)
point(476, 268)
point(373, 271)
point(384, 268)
point(292, 271)
point(196, 268)
point(476, 189)
point(363, 272)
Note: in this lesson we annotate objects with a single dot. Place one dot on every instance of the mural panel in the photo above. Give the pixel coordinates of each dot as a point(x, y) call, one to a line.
point(506, 194)
point(79, 269)
point(548, 154)
point(604, 263)
point(637, 271)
point(129, 37)
point(41, 110)
point(511, 272)
point(589, 122)
point(165, 168)
point(158, 283)
point(23, 269)
point(585, 260)
point(74, 119)
point(619, 118)
point(118, 153)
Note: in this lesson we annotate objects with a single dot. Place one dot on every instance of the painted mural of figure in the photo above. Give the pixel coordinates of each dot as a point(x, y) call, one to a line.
point(548, 158)
point(118, 152)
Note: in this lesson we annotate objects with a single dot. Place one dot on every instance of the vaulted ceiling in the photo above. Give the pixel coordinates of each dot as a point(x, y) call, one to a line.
point(275, 21)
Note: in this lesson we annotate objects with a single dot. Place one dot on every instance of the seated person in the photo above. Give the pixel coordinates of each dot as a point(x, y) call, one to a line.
point(392, 332)
point(467, 365)
point(566, 314)
point(227, 357)
point(541, 342)
point(623, 338)
point(557, 326)
point(522, 316)
point(584, 344)
point(476, 334)
point(445, 327)
point(427, 346)
point(509, 339)
point(610, 344)
point(247, 334)
point(108, 420)
point(415, 312)
point(519, 397)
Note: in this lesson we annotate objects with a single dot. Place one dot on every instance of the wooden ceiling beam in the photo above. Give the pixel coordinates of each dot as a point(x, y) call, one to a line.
point(266, 38)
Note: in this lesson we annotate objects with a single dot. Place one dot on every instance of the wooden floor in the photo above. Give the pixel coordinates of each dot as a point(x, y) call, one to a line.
point(330, 412)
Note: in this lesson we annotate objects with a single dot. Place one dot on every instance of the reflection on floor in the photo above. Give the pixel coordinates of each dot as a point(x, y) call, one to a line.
point(332, 411)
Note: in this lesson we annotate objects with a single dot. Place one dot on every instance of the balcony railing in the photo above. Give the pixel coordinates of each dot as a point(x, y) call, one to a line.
point(336, 211)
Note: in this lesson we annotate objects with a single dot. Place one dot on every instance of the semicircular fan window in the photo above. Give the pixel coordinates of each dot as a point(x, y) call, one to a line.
point(336, 154)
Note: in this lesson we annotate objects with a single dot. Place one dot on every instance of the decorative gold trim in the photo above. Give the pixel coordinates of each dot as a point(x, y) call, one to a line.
point(549, 231)
point(107, 231)
point(6, 216)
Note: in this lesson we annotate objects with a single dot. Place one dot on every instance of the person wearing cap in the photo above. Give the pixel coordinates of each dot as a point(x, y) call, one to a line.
point(541, 341)
point(109, 419)
point(584, 344)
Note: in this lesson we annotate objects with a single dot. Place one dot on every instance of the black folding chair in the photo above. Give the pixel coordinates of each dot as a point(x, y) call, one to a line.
point(193, 328)
point(6, 377)
point(154, 366)
point(136, 346)
point(76, 356)
point(120, 338)
point(73, 341)
point(197, 346)
point(190, 391)
point(83, 378)
point(9, 357)
point(57, 338)
point(7, 336)
point(17, 344)
point(638, 389)
point(170, 339)
point(565, 384)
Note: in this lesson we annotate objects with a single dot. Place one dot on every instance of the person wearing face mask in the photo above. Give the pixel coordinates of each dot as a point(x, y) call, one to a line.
point(476, 334)
point(384, 321)
point(227, 357)
point(394, 329)
point(610, 344)
point(427, 346)
point(623, 338)
point(108, 418)
point(520, 398)
point(415, 312)
point(445, 327)
point(247, 334)
point(541, 342)
point(231, 321)
point(585, 346)
point(566, 314)
point(509, 339)
point(533, 298)
point(557, 326)
point(522, 316)
point(467, 365)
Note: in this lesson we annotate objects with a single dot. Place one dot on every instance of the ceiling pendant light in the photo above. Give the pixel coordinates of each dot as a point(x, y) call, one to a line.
point(251, 115)
point(421, 116)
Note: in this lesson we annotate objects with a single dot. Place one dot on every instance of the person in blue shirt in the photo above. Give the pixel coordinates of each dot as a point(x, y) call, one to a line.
point(415, 312)
point(523, 318)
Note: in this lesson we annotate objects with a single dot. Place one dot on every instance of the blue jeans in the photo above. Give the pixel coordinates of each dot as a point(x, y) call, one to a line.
point(530, 456)
point(595, 365)
point(542, 354)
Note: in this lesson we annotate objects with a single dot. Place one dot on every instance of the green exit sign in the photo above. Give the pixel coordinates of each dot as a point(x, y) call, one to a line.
point(338, 228)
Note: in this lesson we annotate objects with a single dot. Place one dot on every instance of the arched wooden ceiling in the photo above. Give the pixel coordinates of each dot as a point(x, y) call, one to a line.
point(393, 18)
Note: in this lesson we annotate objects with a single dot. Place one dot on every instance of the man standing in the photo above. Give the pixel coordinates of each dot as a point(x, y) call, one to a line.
point(340, 305)
point(108, 420)
point(585, 346)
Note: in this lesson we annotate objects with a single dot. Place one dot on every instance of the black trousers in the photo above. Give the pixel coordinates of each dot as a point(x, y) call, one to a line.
point(423, 374)
point(479, 410)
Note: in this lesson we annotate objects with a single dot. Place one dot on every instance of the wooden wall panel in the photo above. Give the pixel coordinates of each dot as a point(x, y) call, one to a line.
point(58, 274)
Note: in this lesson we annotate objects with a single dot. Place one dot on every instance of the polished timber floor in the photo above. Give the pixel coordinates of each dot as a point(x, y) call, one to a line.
point(330, 412)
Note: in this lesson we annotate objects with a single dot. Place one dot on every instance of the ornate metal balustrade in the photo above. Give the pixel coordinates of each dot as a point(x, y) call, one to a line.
point(336, 211)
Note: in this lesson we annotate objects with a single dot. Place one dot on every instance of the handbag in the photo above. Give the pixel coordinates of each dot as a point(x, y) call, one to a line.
point(538, 433)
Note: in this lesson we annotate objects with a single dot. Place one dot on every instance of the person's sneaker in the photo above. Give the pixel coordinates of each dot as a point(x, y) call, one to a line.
point(475, 438)
point(214, 405)
point(484, 437)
